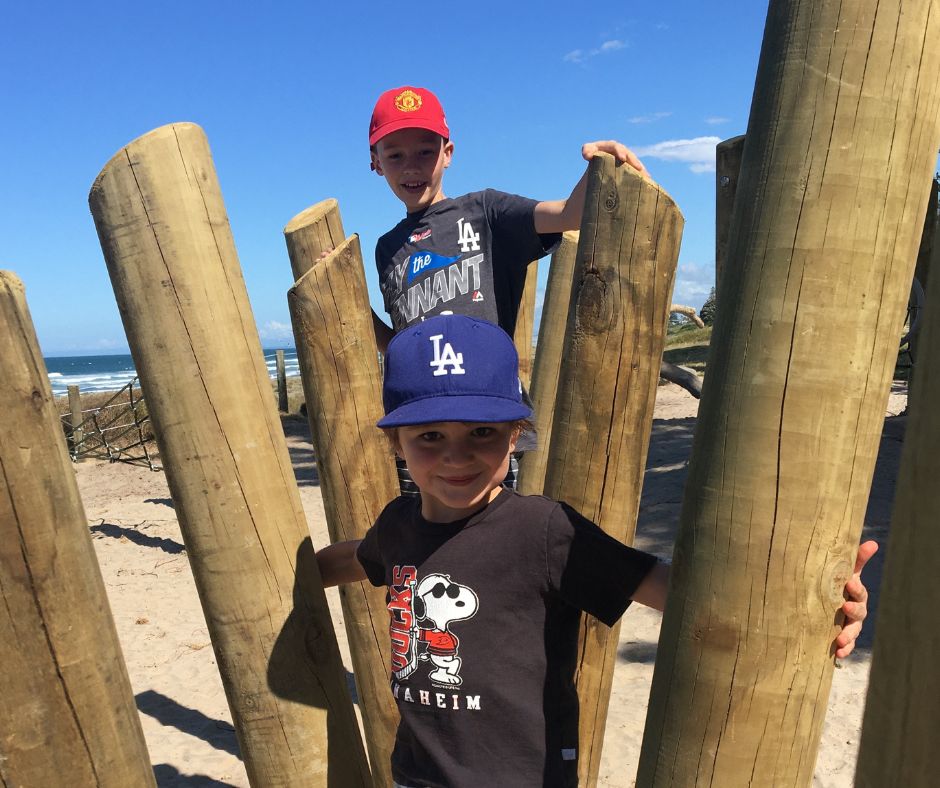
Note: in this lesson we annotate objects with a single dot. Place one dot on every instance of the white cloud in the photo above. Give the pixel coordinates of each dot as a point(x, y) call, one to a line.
point(698, 153)
point(693, 283)
point(651, 118)
point(716, 120)
point(273, 330)
point(579, 55)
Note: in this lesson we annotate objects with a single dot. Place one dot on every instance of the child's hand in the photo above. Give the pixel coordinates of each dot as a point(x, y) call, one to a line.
point(855, 607)
point(616, 149)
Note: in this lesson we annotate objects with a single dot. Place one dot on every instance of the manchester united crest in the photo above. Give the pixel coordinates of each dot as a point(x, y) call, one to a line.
point(408, 101)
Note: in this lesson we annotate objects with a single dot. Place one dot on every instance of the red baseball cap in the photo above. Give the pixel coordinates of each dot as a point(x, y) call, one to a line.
point(407, 108)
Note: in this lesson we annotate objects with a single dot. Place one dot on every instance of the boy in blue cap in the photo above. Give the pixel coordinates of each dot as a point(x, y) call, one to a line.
point(486, 586)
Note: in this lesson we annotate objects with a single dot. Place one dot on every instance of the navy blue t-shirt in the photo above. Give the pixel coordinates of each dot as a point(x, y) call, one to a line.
point(467, 255)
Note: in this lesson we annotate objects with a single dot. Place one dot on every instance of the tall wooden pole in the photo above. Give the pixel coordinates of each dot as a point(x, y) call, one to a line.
point(547, 366)
point(312, 232)
point(727, 173)
point(902, 713)
point(166, 239)
point(626, 264)
point(525, 324)
point(66, 707)
point(845, 125)
point(338, 360)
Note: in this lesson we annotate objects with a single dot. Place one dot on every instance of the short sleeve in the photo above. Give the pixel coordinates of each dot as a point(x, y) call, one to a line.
point(590, 569)
point(369, 555)
point(513, 221)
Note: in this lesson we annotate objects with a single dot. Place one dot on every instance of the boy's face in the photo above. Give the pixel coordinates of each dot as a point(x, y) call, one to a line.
point(413, 162)
point(458, 466)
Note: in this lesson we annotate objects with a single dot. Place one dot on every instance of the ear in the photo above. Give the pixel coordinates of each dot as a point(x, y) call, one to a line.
point(448, 153)
point(514, 438)
point(417, 605)
point(375, 164)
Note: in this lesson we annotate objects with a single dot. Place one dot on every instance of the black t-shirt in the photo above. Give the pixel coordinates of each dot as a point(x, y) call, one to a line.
point(467, 255)
point(484, 618)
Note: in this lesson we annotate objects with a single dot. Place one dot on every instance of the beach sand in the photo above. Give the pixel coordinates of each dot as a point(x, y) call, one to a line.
point(172, 667)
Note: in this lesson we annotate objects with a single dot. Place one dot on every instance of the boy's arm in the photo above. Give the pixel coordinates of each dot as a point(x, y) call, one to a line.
point(338, 564)
point(652, 593)
point(557, 216)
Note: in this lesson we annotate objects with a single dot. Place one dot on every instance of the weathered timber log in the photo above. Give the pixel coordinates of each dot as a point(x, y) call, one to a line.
point(626, 264)
point(845, 126)
point(338, 359)
point(689, 312)
point(172, 261)
point(525, 324)
point(902, 711)
point(547, 364)
point(727, 173)
point(67, 710)
point(314, 231)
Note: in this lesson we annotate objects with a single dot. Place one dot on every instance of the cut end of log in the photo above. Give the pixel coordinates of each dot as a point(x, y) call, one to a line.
point(310, 215)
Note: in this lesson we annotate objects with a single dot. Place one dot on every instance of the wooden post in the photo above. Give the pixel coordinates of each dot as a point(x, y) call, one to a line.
point(166, 239)
point(830, 203)
point(66, 706)
point(338, 360)
point(547, 365)
point(281, 382)
point(314, 231)
point(727, 171)
point(626, 265)
point(76, 432)
point(525, 324)
point(902, 713)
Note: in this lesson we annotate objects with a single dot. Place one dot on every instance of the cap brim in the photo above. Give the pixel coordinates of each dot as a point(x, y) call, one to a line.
point(465, 407)
point(408, 123)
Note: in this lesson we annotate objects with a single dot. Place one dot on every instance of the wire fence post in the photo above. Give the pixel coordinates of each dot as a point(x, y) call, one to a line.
point(281, 382)
point(76, 432)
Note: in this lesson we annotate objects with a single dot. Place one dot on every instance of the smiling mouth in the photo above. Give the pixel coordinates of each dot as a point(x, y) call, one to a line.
point(460, 480)
point(415, 185)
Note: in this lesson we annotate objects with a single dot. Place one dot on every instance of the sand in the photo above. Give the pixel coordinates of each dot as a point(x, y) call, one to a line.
point(172, 668)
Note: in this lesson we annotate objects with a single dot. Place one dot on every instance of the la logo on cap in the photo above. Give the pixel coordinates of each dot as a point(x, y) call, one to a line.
point(408, 101)
point(446, 358)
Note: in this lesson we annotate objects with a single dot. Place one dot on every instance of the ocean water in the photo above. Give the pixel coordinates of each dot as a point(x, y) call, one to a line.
point(111, 373)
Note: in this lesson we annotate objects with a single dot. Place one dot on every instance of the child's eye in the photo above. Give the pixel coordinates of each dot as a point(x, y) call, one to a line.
point(483, 432)
point(429, 437)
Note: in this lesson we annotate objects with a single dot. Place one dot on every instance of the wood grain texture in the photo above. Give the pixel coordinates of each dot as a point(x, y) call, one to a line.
point(338, 360)
point(902, 710)
point(845, 126)
point(626, 265)
point(172, 261)
point(525, 325)
point(547, 365)
point(66, 704)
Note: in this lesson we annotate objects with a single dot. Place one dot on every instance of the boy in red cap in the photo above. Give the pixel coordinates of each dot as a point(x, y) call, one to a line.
point(466, 255)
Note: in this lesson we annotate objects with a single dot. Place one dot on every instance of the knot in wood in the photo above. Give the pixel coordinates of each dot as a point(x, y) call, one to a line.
point(594, 309)
point(611, 201)
point(36, 399)
point(833, 579)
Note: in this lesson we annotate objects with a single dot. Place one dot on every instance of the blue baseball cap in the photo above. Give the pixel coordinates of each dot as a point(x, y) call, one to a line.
point(451, 368)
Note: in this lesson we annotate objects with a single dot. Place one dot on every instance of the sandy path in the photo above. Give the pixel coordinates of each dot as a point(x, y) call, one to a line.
point(172, 667)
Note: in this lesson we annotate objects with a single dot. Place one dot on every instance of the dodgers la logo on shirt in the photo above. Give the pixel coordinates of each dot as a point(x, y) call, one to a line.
point(446, 357)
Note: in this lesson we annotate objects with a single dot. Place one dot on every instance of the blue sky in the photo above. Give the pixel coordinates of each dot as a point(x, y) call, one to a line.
point(284, 92)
